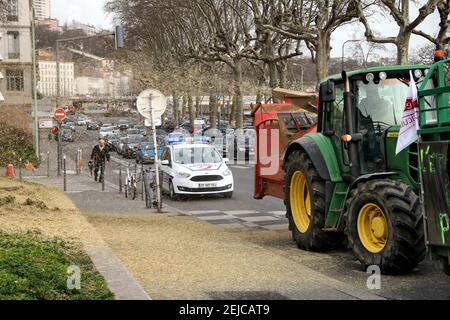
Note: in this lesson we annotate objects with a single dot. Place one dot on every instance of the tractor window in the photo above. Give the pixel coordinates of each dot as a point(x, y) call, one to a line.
point(337, 126)
point(430, 103)
point(338, 111)
point(382, 103)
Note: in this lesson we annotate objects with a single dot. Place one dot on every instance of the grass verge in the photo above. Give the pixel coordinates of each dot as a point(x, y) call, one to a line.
point(35, 268)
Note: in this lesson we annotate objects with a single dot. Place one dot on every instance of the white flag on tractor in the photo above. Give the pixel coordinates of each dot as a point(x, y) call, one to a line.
point(410, 120)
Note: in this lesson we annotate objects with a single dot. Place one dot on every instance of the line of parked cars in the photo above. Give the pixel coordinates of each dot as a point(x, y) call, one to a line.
point(192, 163)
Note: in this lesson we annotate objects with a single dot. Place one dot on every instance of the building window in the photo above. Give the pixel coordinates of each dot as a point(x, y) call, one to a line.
point(14, 80)
point(13, 45)
point(13, 10)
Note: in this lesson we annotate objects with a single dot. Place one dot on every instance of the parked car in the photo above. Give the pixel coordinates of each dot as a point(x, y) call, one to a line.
point(217, 137)
point(190, 169)
point(142, 129)
point(113, 140)
point(82, 121)
point(92, 125)
point(146, 153)
point(123, 124)
point(104, 132)
point(241, 144)
point(67, 135)
point(133, 131)
point(71, 125)
point(131, 145)
point(120, 144)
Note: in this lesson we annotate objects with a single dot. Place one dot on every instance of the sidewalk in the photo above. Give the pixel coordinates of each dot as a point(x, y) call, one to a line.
point(86, 193)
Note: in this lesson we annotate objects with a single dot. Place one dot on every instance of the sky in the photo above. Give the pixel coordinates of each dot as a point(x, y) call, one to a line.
point(86, 11)
point(92, 12)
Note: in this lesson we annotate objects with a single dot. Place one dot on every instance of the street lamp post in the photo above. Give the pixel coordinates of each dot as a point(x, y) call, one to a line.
point(119, 41)
point(302, 79)
point(35, 108)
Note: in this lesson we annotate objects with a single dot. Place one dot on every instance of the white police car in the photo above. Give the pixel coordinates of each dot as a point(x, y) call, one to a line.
point(189, 169)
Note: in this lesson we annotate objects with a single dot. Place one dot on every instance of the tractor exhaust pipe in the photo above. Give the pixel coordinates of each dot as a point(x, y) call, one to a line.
point(353, 144)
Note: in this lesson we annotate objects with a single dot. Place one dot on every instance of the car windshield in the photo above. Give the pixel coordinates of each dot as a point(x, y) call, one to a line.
point(196, 155)
point(383, 102)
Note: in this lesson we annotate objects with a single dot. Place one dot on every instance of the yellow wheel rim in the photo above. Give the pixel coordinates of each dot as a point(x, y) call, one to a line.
point(300, 201)
point(372, 228)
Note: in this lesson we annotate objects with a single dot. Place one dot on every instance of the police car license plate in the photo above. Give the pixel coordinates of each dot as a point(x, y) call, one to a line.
point(207, 185)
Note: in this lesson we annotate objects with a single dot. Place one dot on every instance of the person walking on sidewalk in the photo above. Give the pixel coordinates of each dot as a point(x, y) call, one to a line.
point(100, 156)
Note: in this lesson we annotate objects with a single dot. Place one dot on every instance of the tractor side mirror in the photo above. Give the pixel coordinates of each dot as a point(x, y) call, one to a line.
point(327, 91)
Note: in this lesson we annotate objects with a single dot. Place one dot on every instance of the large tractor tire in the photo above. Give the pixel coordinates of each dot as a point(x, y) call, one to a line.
point(305, 204)
point(384, 226)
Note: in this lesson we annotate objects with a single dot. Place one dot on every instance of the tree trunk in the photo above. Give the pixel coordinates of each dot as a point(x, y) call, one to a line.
point(238, 93)
point(197, 106)
point(184, 108)
point(403, 48)
point(258, 96)
point(176, 120)
point(213, 110)
point(282, 71)
point(272, 66)
point(191, 110)
point(322, 56)
point(232, 110)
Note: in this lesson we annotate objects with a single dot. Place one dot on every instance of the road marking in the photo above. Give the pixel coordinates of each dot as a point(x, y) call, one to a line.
point(278, 213)
point(262, 218)
point(239, 212)
point(203, 212)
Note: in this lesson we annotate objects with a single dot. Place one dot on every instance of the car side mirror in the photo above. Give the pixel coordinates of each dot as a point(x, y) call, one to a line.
point(327, 91)
point(226, 160)
point(165, 162)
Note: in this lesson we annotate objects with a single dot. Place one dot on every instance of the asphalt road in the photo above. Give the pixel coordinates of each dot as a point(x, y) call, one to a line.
point(425, 282)
point(242, 173)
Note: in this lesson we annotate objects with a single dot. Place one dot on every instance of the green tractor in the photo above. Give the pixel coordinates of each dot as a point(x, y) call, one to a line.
point(345, 180)
point(434, 151)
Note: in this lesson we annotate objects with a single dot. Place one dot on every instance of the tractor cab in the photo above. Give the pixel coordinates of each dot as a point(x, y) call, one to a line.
point(377, 101)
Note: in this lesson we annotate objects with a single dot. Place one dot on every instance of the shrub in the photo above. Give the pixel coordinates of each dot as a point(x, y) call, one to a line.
point(16, 144)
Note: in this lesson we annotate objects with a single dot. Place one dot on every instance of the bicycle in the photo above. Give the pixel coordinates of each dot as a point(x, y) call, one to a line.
point(131, 185)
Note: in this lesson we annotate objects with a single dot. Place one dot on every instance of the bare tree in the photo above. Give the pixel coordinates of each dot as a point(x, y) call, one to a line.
point(314, 21)
point(271, 47)
point(399, 10)
point(442, 39)
point(365, 52)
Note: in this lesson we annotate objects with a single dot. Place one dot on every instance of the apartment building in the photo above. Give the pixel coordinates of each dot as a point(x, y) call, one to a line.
point(16, 59)
point(42, 9)
point(47, 84)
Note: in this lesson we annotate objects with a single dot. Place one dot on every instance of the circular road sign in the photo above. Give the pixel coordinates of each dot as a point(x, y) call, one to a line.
point(151, 99)
point(60, 114)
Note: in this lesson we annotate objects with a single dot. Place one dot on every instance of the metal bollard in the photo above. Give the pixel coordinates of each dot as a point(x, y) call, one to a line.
point(48, 164)
point(143, 180)
point(103, 176)
point(120, 179)
point(20, 169)
point(65, 174)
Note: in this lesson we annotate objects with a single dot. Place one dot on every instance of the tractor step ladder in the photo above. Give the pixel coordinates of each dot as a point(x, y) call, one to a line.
point(336, 207)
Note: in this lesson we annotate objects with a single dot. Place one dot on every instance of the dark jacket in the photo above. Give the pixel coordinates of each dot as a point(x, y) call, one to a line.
point(100, 156)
